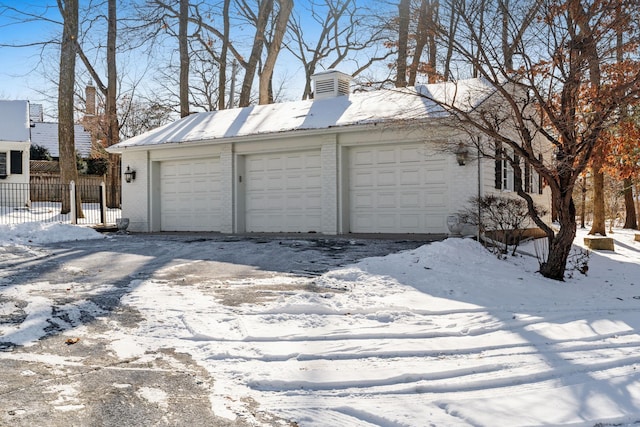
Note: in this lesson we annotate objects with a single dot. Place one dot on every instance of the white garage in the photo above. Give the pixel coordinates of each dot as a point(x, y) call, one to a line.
point(385, 161)
point(190, 195)
point(283, 192)
point(397, 189)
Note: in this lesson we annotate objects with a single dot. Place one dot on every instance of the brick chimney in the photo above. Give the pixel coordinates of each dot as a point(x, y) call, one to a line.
point(90, 100)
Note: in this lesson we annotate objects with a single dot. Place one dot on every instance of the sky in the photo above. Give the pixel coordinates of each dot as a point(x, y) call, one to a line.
point(21, 75)
point(18, 78)
point(443, 335)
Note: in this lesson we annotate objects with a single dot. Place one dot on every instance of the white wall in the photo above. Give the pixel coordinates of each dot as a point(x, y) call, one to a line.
point(141, 197)
point(16, 191)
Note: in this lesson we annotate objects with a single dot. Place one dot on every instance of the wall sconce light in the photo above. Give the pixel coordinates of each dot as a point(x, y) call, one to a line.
point(129, 175)
point(462, 152)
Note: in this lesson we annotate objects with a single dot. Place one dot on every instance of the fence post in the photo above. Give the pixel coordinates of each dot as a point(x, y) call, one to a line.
point(72, 200)
point(103, 203)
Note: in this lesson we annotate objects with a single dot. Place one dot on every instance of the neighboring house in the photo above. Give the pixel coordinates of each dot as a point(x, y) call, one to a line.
point(371, 162)
point(14, 152)
point(45, 134)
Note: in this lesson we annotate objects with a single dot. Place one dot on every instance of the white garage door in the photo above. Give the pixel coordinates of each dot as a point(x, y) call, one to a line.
point(283, 192)
point(190, 195)
point(397, 189)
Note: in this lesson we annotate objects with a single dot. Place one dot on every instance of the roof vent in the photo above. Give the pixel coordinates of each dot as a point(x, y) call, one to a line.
point(331, 83)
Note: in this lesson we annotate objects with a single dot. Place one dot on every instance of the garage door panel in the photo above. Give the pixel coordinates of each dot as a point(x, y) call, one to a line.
point(386, 178)
point(290, 198)
point(408, 200)
point(410, 155)
point(396, 189)
point(362, 179)
point(386, 156)
point(410, 177)
point(386, 200)
point(362, 158)
point(190, 195)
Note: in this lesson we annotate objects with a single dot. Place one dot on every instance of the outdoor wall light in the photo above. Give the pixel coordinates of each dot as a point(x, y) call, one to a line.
point(129, 175)
point(462, 152)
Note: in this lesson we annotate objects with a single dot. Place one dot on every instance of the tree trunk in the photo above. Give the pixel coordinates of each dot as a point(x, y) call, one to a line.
point(559, 249)
point(560, 244)
point(598, 227)
point(434, 22)
point(113, 128)
point(266, 7)
point(66, 132)
point(274, 49)
point(222, 79)
point(421, 41)
point(404, 11)
point(631, 220)
point(183, 47)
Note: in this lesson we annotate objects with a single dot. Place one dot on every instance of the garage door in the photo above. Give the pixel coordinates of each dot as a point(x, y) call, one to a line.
point(396, 189)
point(283, 192)
point(190, 195)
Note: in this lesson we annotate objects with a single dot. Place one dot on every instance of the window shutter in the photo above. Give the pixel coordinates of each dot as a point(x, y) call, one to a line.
point(3, 165)
point(539, 177)
point(498, 166)
point(16, 162)
point(527, 177)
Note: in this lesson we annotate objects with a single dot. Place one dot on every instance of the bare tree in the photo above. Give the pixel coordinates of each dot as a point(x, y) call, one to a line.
point(275, 44)
point(183, 44)
point(344, 33)
point(66, 133)
point(561, 98)
point(222, 80)
point(404, 12)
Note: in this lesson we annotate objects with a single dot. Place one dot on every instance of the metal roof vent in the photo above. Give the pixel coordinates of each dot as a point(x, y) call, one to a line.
point(330, 84)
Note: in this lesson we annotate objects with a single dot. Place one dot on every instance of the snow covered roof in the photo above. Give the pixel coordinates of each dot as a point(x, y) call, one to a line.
point(14, 121)
point(416, 103)
point(45, 135)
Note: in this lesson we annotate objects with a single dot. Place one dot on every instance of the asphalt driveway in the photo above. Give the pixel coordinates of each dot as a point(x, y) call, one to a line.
point(69, 376)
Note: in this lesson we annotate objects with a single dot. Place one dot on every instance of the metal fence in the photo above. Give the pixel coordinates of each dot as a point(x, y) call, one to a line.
point(43, 203)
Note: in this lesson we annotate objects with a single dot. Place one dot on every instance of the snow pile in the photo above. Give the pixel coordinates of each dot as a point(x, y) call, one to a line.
point(39, 233)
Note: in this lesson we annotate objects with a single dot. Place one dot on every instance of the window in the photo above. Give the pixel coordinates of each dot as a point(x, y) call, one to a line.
point(503, 169)
point(531, 181)
point(16, 162)
point(3, 165)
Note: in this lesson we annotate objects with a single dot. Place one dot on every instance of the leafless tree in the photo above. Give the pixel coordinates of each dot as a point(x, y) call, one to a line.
point(66, 133)
point(345, 33)
point(564, 88)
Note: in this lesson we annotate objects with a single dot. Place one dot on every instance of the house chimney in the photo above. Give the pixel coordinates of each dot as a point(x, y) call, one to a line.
point(330, 84)
point(90, 100)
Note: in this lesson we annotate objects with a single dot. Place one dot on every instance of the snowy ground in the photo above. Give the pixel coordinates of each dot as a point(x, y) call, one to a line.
point(443, 335)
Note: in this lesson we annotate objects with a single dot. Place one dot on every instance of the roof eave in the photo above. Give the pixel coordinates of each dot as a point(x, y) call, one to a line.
point(292, 133)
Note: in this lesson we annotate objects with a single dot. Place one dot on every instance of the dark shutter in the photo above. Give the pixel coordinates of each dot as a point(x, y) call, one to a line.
point(16, 162)
point(527, 177)
point(3, 165)
point(498, 162)
point(540, 183)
